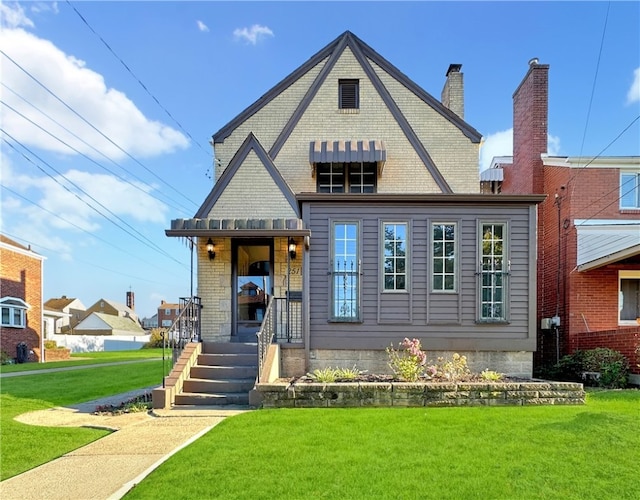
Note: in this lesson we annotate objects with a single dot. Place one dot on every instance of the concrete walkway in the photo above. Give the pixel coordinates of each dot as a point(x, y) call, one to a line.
point(109, 467)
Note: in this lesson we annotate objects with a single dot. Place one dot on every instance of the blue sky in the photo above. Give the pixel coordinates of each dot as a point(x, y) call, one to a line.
point(136, 150)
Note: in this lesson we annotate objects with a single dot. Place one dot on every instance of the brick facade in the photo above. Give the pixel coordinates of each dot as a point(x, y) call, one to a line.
point(21, 277)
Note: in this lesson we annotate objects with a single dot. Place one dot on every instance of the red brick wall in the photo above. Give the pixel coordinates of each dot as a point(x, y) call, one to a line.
point(21, 277)
point(624, 340)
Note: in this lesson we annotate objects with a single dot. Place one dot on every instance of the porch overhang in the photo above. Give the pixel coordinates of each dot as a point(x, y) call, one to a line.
point(363, 151)
point(605, 242)
point(237, 228)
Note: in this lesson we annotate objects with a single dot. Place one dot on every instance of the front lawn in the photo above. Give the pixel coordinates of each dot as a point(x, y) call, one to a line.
point(22, 446)
point(89, 358)
point(550, 452)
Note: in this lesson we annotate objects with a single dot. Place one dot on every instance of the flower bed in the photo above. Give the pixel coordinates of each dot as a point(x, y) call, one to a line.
point(304, 394)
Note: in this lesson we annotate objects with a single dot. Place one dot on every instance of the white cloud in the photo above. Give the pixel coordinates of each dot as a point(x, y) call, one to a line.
point(202, 26)
point(39, 7)
point(501, 144)
point(634, 91)
point(59, 195)
point(85, 91)
point(498, 144)
point(252, 35)
point(13, 16)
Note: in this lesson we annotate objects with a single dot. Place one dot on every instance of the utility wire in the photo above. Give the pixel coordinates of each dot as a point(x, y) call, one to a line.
point(93, 126)
point(141, 238)
point(135, 77)
point(66, 221)
point(148, 193)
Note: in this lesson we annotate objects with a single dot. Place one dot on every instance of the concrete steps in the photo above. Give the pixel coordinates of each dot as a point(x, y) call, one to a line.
point(224, 375)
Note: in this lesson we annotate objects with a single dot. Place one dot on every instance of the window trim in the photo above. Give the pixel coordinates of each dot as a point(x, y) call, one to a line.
point(506, 264)
point(456, 272)
point(407, 256)
point(625, 188)
point(624, 274)
point(344, 82)
point(332, 275)
point(13, 305)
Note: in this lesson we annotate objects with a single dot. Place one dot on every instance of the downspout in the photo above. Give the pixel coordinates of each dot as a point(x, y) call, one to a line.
point(41, 311)
point(558, 202)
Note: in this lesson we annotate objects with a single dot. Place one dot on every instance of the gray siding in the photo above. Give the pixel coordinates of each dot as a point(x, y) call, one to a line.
point(446, 321)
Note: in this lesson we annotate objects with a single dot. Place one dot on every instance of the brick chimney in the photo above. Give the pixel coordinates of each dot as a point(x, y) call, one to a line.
point(453, 90)
point(530, 127)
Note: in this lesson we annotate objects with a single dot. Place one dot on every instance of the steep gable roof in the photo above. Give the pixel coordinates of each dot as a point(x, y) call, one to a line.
point(249, 144)
point(363, 53)
point(58, 304)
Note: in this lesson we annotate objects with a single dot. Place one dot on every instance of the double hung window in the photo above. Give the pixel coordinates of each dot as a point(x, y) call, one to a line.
point(494, 269)
point(395, 256)
point(630, 190)
point(443, 257)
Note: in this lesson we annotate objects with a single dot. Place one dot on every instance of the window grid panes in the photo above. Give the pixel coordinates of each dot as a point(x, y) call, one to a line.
point(630, 190)
point(492, 286)
point(13, 317)
point(345, 271)
point(395, 256)
point(355, 177)
point(443, 257)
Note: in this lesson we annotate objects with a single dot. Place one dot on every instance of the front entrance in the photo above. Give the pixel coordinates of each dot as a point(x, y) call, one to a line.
point(252, 285)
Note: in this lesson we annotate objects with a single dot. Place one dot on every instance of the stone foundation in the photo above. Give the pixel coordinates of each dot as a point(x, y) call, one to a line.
point(405, 394)
point(512, 363)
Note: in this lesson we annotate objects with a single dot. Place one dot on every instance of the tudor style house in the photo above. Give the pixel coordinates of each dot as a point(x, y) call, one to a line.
point(589, 233)
point(347, 215)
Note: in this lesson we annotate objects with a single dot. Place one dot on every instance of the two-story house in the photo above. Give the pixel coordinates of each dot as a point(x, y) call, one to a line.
point(167, 314)
point(20, 300)
point(62, 314)
point(588, 231)
point(350, 197)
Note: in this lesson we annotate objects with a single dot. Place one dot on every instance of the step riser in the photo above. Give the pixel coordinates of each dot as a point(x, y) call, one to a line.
point(228, 359)
point(211, 400)
point(224, 372)
point(229, 348)
point(218, 386)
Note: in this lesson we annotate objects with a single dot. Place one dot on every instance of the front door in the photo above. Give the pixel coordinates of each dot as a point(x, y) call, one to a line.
point(253, 286)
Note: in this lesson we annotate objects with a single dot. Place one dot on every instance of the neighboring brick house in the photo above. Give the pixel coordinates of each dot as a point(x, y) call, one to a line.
point(167, 314)
point(62, 314)
point(350, 197)
point(588, 231)
point(20, 298)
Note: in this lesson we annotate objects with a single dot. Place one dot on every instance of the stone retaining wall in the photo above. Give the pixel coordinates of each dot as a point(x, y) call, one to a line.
point(363, 394)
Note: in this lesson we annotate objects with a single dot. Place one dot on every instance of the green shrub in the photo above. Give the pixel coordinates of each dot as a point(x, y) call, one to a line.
point(348, 373)
point(50, 345)
point(325, 375)
point(491, 376)
point(407, 362)
point(612, 366)
point(5, 359)
point(156, 339)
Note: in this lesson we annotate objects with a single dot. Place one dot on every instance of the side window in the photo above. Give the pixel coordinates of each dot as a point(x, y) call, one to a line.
point(443, 256)
point(493, 271)
point(345, 271)
point(630, 190)
point(395, 265)
point(13, 312)
point(629, 297)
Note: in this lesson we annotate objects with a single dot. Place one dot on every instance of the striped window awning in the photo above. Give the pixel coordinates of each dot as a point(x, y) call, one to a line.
point(364, 151)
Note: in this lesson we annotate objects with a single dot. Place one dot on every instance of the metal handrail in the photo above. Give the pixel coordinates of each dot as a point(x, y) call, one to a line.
point(265, 335)
point(186, 327)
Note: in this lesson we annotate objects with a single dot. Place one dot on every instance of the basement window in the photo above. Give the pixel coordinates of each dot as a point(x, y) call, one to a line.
point(349, 94)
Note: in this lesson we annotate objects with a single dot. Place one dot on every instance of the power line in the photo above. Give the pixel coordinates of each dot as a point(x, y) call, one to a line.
point(141, 239)
point(66, 221)
point(135, 77)
point(50, 134)
point(93, 126)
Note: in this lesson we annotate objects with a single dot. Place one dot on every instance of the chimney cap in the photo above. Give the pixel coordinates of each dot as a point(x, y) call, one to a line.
point(534, 61)
point(454, 68)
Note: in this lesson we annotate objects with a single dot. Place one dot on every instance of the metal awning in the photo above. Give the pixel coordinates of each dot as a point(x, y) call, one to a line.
point(602, 244)
point(492, 175)
point(364, 151)
point(239, 228)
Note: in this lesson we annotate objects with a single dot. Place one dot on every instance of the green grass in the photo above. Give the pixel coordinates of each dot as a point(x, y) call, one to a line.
point(88, 358)
point(551, 452)
point(22, 446)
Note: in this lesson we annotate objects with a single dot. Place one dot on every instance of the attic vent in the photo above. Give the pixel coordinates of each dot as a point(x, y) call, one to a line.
point(349, 95)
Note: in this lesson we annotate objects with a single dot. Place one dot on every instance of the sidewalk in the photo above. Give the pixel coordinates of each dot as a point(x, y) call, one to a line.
point(109, 467)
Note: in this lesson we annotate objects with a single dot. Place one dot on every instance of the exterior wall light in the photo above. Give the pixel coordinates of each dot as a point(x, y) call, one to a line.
point(292, 248)
point(210, 249)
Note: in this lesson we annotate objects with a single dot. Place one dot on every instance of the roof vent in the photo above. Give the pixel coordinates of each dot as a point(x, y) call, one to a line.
point(534, 61)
